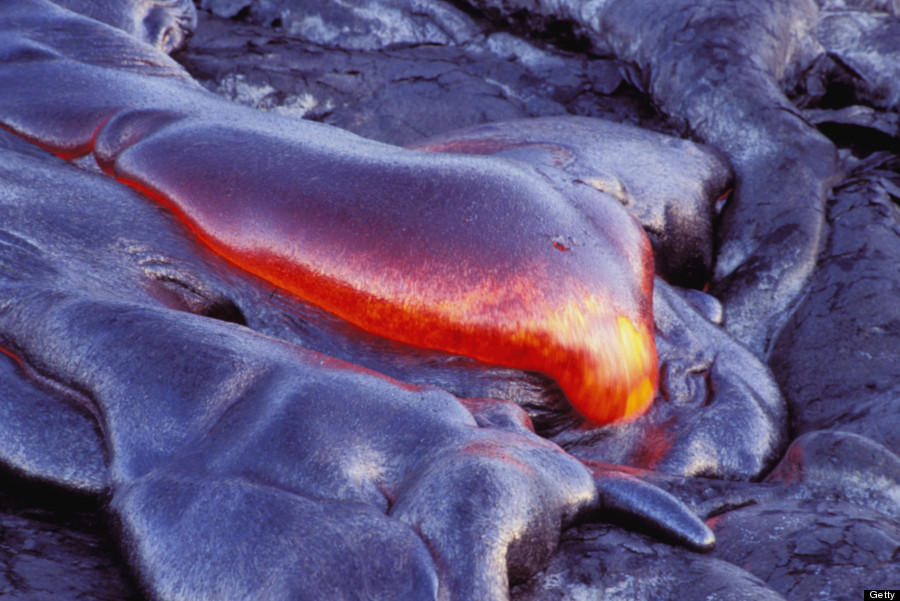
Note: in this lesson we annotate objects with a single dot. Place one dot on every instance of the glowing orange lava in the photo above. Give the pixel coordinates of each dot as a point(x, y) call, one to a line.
point(605, 363)
point(423, 268)
point(472, 256)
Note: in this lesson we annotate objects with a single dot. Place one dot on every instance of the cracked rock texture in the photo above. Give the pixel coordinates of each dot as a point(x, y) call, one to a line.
point(357, 24)
point(837, 359)
point(402, 95)
point(812, 549)
point(599, 562)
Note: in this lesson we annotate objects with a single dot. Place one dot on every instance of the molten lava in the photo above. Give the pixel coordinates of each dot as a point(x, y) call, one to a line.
point(458, 254)
point(432, 251)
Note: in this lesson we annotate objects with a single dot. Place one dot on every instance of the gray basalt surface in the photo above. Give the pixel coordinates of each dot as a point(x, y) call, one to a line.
point(357, 24)
point(401, 95)
point(849, 323)
point(811, 549)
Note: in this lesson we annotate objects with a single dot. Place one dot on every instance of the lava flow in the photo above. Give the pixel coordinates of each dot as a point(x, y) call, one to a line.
point(440, 252)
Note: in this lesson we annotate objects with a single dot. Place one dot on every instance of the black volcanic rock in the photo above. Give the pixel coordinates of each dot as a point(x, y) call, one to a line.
point(838, 359)
point(401, 95)
point(57, 545)
point(356, 24)
point(809, 549)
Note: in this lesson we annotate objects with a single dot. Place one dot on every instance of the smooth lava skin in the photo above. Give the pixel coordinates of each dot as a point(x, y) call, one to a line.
point(462, 254)
point(669, 185)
